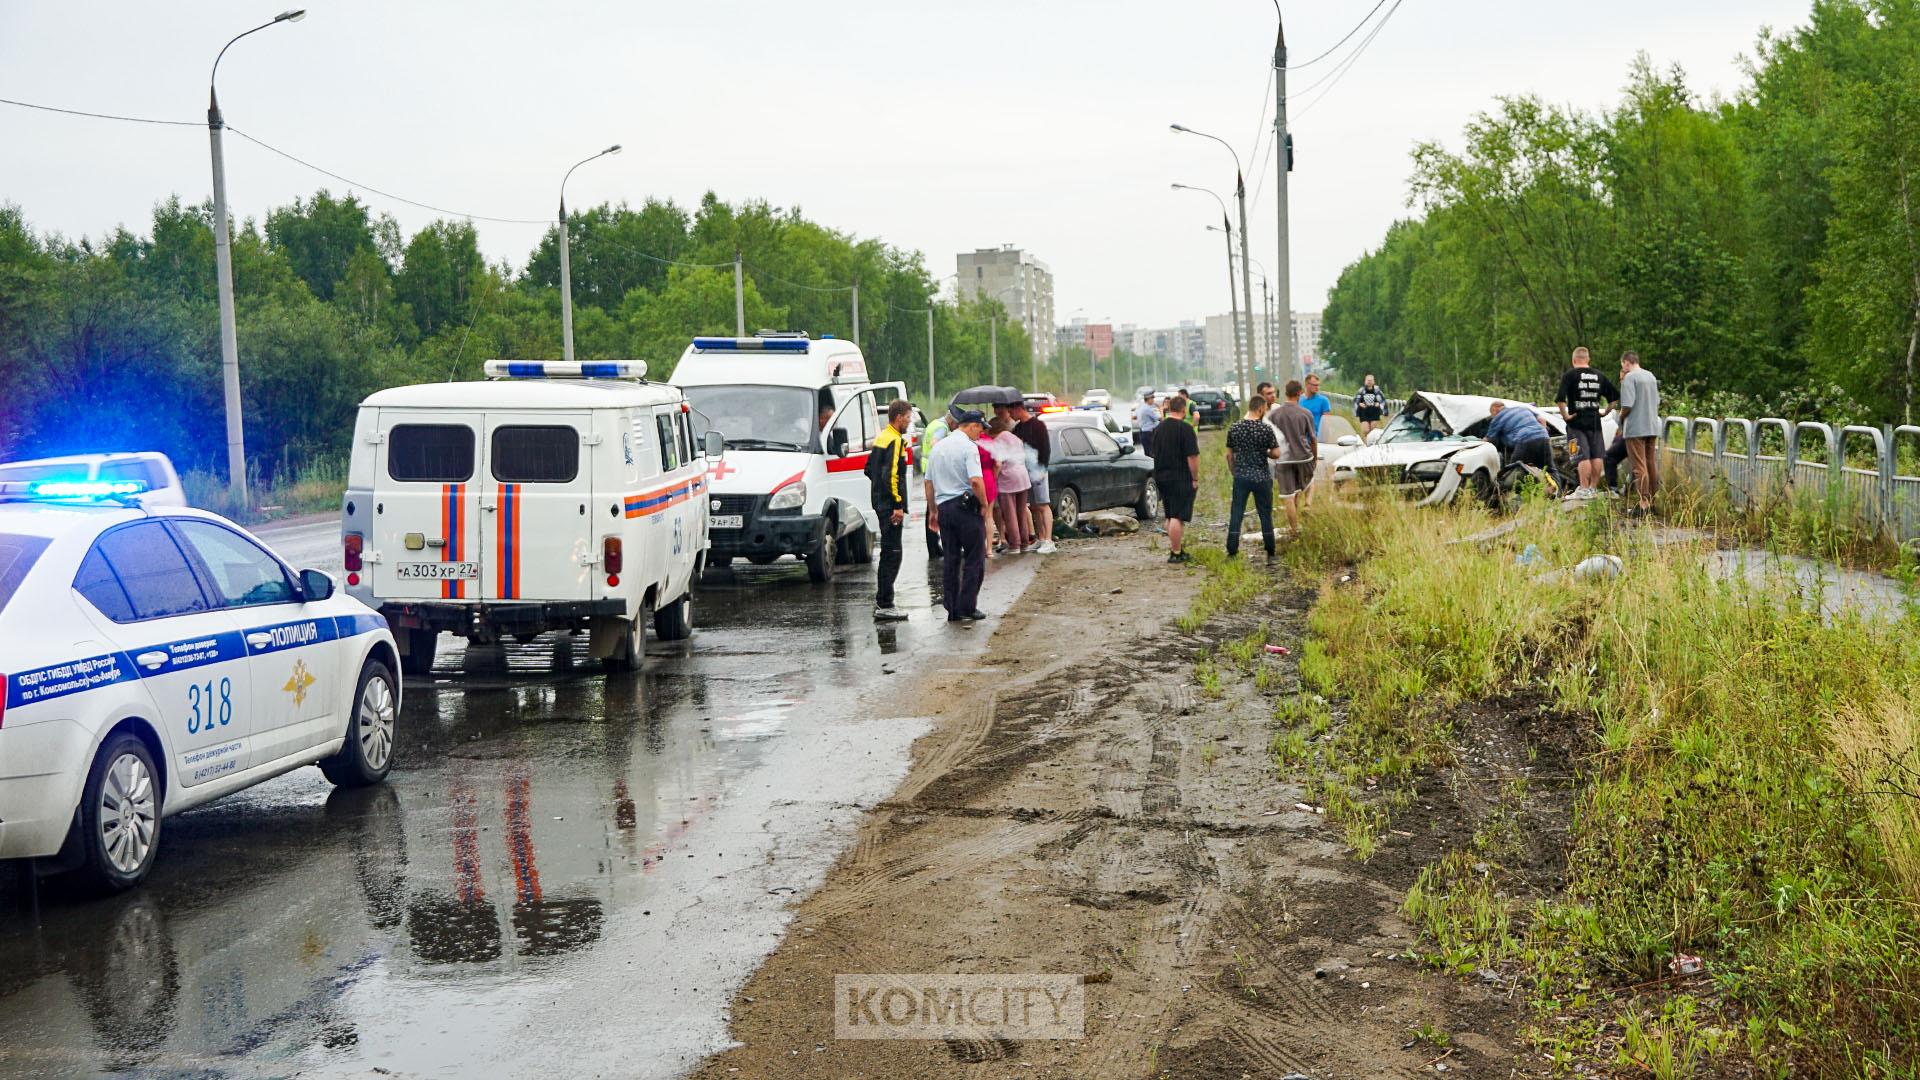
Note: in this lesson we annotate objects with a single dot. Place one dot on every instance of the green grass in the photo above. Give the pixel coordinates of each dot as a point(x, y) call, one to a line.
point(314, 489)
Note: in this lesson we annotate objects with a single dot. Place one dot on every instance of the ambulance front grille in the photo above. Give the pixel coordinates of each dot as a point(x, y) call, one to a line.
point(734, 504)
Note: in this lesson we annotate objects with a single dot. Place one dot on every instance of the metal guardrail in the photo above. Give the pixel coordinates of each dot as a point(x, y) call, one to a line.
point(1877, 496)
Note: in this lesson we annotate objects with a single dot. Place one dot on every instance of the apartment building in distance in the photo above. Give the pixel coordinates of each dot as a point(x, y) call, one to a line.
point(1022, 283)
point(1081, 334)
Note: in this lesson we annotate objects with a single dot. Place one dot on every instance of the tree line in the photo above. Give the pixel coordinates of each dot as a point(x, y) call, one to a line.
point(113, 343)
point(1762, 254)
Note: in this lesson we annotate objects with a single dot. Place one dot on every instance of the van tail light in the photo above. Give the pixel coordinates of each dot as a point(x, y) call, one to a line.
point(350, 553)
point(612, 558)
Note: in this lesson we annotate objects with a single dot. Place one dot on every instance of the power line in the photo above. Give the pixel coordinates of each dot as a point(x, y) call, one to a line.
point(386, 194)
point(1342, 41)
point(102, 116)
point(1340, 71)
point(794, 284)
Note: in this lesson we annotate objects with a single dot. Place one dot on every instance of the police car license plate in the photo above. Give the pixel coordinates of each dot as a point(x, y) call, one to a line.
point(728, 521)
point(436, 571)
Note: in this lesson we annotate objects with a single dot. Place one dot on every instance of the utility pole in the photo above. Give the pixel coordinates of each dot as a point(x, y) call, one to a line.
point(993, 345)
point(1246, 284)
point(739, 297)
point(1233, 297)
point(1283, 164)
point(931, 393)
point(223, 272)
point(856, 312)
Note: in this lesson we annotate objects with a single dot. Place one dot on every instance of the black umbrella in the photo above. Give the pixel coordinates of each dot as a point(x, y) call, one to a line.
point(985, 395)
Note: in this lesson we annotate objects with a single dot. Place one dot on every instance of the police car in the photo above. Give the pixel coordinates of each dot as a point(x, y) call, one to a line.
point(158, 658)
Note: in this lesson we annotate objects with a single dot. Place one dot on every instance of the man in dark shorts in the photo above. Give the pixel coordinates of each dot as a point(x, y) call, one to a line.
point(1584, 397)
point(1299, 451)
point(1369, 407)
point(1176, 471)
point(1251, 445)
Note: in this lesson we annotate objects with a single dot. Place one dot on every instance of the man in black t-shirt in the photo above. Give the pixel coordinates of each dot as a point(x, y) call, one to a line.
point(1176, 472)
point(1583, 399)
point(1251, 447)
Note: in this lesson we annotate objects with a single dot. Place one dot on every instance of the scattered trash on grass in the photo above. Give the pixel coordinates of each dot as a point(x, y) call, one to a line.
point(1529, 556)
point(1683, 964)
point(1278, 650)
point(1599, 566)
point(1307, 808)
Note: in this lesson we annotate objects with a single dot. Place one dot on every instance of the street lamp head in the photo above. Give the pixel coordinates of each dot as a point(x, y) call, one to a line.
point(1176, 127)
point(614, 149)
point(291, 16)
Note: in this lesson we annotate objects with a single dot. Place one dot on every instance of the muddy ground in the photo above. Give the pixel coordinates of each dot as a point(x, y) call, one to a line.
point(1079, 807)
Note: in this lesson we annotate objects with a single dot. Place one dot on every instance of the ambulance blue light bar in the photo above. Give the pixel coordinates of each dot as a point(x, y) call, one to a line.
point(560, 369)
point(84, 489)
point(750, 344)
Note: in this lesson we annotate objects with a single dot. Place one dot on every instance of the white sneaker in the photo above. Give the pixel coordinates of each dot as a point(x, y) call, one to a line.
point(888, 614)
point(1046, 548)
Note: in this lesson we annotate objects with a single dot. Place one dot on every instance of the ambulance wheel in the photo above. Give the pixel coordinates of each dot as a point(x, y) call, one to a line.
point(368, 752)
point(820, 561)
point(119, 816)
point(859, 547)
point(630, 652)
point(418, 659)
point(675, 621)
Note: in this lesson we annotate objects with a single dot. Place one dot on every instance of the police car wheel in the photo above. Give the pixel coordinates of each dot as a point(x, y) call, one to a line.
point(675, 621)
point(368, 752)
point(119, 815)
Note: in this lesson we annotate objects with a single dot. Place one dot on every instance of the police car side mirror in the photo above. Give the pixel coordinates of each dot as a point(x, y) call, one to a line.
point(315, 586)
point(837, 442)
point(716, 445)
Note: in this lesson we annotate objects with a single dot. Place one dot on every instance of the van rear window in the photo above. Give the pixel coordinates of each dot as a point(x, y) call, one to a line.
point(136, 469)
point(17, 555)
point(535, 454)
point(430, 453)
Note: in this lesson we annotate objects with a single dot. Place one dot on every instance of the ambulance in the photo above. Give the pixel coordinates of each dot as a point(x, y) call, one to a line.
point(798, 418)
point(553, 496)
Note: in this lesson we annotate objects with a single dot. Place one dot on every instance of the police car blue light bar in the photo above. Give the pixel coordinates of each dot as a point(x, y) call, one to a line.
point(560, 369)
point(750, 344)
point(84, 489)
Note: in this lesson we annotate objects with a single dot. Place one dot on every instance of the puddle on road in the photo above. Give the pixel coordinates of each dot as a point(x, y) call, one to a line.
point(571, 871)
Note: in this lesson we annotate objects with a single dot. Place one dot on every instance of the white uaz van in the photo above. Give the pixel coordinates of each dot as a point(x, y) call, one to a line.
point(799, 418)
point(554, 496)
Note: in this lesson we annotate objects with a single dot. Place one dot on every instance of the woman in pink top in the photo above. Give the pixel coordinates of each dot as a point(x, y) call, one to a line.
point(1010, 473)
point(987, 480)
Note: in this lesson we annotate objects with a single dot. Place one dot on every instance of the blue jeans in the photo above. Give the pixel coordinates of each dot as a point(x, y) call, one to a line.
point(1262, 492)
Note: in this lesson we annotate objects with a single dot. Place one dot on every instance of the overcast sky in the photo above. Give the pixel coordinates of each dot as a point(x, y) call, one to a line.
point(937, 127)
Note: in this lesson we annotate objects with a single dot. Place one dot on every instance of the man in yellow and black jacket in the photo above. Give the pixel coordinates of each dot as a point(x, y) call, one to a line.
point(887, 470)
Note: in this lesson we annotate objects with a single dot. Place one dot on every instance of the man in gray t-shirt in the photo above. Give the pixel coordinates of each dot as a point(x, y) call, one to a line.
point(1640, 426)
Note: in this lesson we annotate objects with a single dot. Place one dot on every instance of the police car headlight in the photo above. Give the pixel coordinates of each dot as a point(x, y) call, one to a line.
point(791, 497)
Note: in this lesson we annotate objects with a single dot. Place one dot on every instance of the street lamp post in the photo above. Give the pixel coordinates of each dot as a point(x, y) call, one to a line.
point(1226, 230)
point(566, 265)
point(1282, 166)
point(223, 272)
point(1240, 193)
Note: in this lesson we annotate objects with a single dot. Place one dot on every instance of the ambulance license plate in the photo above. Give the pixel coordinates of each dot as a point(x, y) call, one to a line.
point(727, 521)
point(436, 571)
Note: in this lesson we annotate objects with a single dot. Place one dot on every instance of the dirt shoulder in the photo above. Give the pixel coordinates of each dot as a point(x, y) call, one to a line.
point(1081, 807)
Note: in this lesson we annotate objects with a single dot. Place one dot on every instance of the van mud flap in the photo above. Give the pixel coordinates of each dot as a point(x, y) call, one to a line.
point(486, 623)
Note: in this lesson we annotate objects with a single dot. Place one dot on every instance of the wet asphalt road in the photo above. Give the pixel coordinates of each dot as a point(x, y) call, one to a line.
point(567, 874)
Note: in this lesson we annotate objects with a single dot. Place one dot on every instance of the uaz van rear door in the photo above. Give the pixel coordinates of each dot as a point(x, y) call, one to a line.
point(425, 533)
point(536, 536)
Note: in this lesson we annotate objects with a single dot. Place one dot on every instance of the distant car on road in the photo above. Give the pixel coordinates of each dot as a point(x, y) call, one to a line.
point(160, 484)
point(1098, 398)
point(1092, 417)
point(1038, 401)
point(1090, 470)
point(1212, 408)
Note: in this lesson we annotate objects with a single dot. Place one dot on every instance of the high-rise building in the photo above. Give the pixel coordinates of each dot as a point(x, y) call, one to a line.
point(1022, 283)
point(1306, 338)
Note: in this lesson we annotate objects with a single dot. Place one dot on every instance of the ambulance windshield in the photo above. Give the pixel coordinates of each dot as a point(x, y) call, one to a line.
point(755, 417)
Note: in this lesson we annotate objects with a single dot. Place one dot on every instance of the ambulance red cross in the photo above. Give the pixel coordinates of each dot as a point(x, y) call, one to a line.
point(798, 416)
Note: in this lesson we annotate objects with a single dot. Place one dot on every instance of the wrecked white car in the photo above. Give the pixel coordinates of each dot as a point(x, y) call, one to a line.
point(1435, 448)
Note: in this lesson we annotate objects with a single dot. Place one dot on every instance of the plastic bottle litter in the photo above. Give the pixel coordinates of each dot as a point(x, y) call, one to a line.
point(1278, 650)
point(1529, 556)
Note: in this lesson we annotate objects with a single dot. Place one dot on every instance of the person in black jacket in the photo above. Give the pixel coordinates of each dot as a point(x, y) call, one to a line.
point(887, 472)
